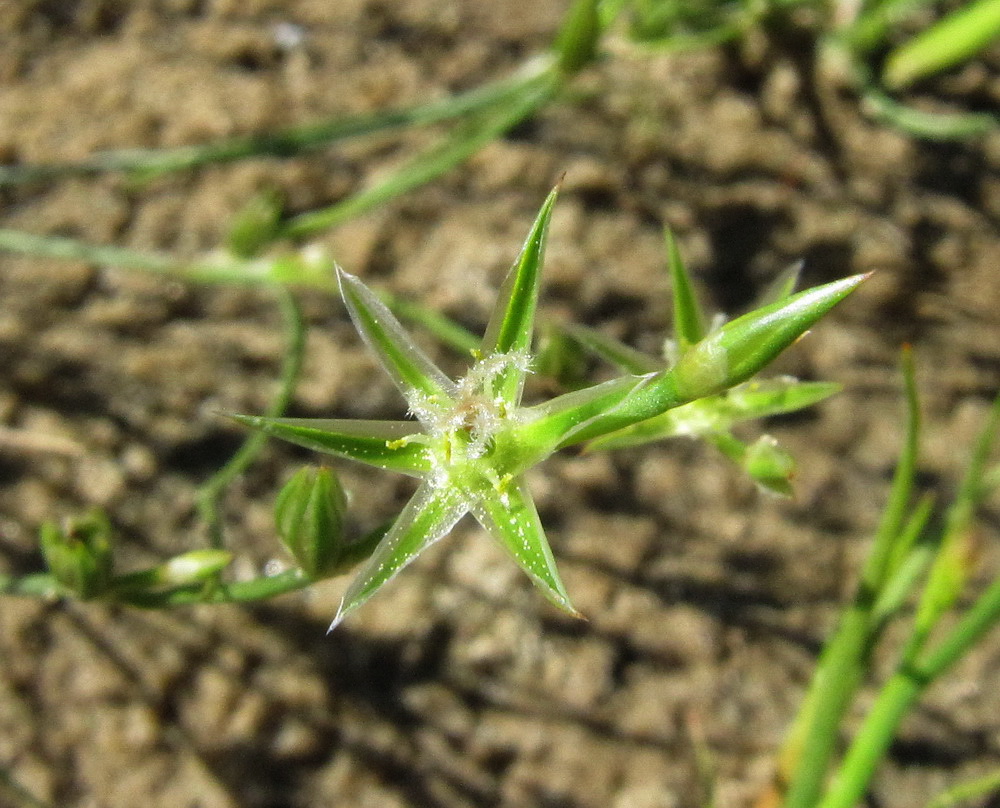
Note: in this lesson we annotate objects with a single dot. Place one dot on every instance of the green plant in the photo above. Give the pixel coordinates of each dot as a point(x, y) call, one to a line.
point(472, 441)
point(911, 560)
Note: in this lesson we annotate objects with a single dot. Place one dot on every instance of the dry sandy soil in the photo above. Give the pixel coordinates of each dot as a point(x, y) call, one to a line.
point(458, 686)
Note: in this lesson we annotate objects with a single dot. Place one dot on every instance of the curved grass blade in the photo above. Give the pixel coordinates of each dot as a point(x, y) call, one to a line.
point(429, 515)
point(435, 161)
point(393, 445)
point(408, 367)
point(510, 517)
point(149, 163)
point(512, 323)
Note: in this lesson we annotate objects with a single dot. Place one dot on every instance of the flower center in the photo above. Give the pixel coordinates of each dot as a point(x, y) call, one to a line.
point(466, 424)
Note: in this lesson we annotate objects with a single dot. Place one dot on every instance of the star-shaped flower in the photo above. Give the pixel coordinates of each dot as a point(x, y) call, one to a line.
point(472, 440)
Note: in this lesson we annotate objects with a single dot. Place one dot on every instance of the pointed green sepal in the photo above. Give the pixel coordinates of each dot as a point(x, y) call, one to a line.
point(689, 322)
point(749, 343)
point(410, 368)
point(508, 514)
point(723, 359)
point(511, 325)
point(429, 515)
point(394, 445)
point(558, 422)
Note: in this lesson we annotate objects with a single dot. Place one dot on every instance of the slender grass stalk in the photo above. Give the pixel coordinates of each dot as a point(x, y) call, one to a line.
point(434, 162)
point(955, 39)
point(969, 790)
point(209, 494)
point(806, 755)
point(898, 697)
point(21, 797)
point(285, 143)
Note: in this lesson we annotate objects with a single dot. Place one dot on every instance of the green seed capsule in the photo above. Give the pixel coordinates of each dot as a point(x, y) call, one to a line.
point(309, 514)
point(79, 554)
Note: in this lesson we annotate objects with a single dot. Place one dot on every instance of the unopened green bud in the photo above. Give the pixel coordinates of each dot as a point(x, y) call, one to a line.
point(770, 466)
point(79, 554)
point(255, 225)
point(309, 514)
point(744, 346)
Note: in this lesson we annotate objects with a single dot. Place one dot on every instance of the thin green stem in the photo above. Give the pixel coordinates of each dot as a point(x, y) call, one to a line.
point(434, 162)
point(969, 790)
point(239, 592)
point(285, 143)
point(210, 493)
point(895, 700)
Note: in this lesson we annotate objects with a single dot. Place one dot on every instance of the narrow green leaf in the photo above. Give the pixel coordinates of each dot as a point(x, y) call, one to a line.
point(689, 324)
point(510, 517)
point(954, 39)
point(922, 123)
point(429, 515)
point(512, 322)
point(149, 163)
point(408, 366)
point(747, 344)
point(611, 350)
point(394, 445)
point(468, 138)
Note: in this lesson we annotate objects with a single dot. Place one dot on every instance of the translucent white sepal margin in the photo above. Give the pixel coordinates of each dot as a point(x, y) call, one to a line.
point(409, 367)
point(510, 517)
point(429, 515)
